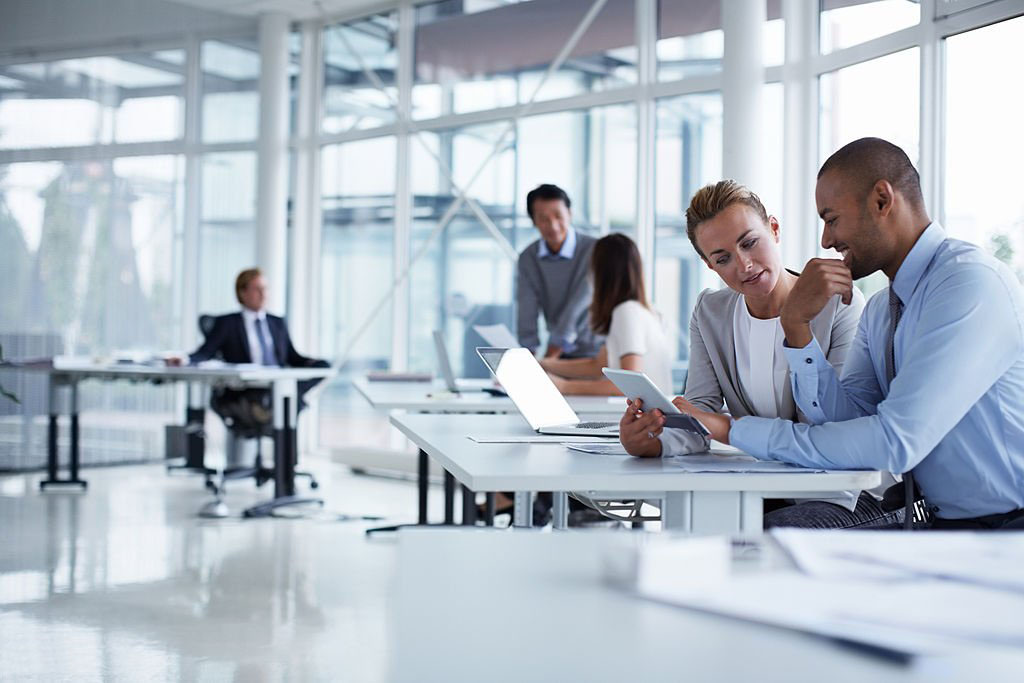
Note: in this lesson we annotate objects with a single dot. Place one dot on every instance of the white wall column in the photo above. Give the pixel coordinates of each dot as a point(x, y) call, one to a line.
point(272, 150)
point(742, 81)
point(646, 39)
point(800, 146)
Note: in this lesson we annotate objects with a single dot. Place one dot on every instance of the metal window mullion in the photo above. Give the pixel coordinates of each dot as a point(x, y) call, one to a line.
point(931, 159)
point(867, 51)
point(304, 307)
point(188, 334)
point(646, 39)
point(400, 329)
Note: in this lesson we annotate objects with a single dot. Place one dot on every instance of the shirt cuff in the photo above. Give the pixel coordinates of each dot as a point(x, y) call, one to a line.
point(751, 435)
point(805, 366)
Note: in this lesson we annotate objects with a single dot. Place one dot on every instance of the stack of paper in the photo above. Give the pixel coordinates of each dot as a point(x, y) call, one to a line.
point(902, 606)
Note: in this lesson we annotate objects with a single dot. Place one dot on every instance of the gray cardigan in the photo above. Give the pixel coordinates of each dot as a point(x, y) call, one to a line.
point(712, 382)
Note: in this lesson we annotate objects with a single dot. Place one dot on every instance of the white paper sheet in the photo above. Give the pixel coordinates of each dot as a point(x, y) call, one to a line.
point(732, 463)
point(538, 438)
point(916, 616)
point(497, 336)
point(985, 559)
point(597, 448)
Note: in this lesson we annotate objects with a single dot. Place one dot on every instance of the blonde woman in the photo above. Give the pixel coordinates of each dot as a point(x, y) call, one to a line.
point(737, 365)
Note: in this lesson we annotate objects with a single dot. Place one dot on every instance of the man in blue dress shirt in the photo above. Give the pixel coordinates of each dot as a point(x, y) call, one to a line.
point(935, 380)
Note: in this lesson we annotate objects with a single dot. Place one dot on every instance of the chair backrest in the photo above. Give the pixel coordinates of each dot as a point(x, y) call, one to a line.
point(206, 323)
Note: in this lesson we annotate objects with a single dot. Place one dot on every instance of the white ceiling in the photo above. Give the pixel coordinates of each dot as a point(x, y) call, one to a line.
point(296, 9)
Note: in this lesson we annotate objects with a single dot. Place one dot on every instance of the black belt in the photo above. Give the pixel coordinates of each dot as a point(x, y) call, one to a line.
point(996, 521)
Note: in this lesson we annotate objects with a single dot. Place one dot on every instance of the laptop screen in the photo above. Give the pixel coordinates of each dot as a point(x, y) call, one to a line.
point(442, 361)
point(529, 387)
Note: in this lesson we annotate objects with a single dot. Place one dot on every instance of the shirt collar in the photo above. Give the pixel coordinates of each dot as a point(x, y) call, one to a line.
point(567, 251)
point(251, 315)
point(914, 265)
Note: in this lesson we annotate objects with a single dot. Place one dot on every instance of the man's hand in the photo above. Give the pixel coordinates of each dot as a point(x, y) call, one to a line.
point(718, 425)
point(553, 352)
point(638, 431)
point(559, 382)
point(820, 281)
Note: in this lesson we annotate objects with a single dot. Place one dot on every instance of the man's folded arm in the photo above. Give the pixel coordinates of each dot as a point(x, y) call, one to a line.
point(967, 336)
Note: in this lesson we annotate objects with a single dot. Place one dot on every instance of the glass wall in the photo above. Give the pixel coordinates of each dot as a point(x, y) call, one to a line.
point(849, 22)
point(360, 65)
point(459, 70)
point(984, 143)
point(357, 251)
point(689, 156)
point(231, 89)
point(93, 100)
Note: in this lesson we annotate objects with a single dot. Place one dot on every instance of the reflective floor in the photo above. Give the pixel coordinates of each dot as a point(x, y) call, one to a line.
point(125, 582)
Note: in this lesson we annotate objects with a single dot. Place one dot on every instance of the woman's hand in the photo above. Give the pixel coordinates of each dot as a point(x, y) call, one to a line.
point(718, 425)
point(638, 431)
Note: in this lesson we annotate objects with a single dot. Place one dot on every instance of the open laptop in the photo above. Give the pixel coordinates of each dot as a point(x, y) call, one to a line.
point(444, 364)
point(535, 395)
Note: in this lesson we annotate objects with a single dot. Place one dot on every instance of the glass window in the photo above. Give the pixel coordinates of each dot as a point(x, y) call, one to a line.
point(983, 133)
point(466, 62)
point(92, 265)
point(688, 156)
point(466, 278)
point(357, 250)
point(850, 108)
point(227, 231)
point(353, 99)
point(691, 41)
point(849, 22)
point(94, 100)
point(231, 89)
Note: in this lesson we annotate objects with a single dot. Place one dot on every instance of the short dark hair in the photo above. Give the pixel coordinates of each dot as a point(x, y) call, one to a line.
point(546, 191)
point(243, 280)
point(618, 275)
point(867, 160)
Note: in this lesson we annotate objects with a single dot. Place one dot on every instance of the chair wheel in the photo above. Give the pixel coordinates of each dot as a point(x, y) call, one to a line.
point(314, 485)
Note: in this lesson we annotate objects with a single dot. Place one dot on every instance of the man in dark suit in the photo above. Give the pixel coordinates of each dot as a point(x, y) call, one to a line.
point(252, 336)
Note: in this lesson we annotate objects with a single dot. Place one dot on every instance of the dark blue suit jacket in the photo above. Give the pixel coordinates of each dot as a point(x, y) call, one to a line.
point(227, 341)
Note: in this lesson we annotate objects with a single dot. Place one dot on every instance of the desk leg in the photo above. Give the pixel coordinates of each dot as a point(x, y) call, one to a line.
point(423, 482)
point(285, 448)
point(559, 509)
point(74, 433)
point(751, 512)
point(490, 507)
point(449, 498)
point(53, 477)
point(676, 511)
point(51, 435)
point(523, 513)
point(468, 507)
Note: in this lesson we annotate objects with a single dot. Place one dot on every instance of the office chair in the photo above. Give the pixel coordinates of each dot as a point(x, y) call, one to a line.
point(235, 408)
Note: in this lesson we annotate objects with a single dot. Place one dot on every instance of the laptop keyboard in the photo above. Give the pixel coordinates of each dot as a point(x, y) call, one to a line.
point(596, 425)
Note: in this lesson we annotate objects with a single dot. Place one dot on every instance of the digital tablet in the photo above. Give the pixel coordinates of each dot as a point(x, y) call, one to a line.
point(637, 385)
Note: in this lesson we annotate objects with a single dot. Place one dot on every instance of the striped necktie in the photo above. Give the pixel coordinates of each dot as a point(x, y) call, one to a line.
point(895, 311)
point(266, 345)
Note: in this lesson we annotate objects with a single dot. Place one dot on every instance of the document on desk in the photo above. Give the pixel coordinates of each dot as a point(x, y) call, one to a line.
point(889, 617)
point(603, 447)
point(497, 336)
point(991, 560)
point(731, 463)
point(537, 438)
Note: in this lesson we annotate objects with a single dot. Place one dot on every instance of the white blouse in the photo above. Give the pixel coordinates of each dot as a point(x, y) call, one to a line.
point(637, 329)
point(764, 380)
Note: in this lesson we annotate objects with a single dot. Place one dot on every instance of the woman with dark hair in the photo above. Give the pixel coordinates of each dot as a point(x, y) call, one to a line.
point(635, 337)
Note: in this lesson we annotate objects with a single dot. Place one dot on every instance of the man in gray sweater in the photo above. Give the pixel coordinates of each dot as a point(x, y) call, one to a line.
point(551, 279)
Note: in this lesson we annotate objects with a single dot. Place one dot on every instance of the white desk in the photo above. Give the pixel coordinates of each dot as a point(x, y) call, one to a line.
point(433, 397)
point(67, 373)
point(713, 503)
point(541, 613)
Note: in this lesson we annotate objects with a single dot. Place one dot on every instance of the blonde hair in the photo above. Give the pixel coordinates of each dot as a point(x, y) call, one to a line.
point(711, 200)
point(243, 280)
